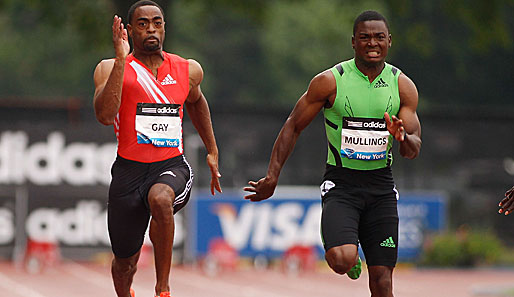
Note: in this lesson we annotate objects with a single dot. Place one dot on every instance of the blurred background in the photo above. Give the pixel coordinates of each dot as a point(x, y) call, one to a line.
point(258, 57)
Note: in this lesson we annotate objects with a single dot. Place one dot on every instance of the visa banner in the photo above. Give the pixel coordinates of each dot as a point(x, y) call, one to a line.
point(420, 214)
point(292, 217)
point(266, 228)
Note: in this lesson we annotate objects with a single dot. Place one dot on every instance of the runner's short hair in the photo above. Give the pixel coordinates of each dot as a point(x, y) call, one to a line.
point(369, 15)
point(139, 4)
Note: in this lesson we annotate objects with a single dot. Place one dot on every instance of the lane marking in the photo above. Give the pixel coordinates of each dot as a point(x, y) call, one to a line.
point(19, 288)
point(222, 286)
point(87, 274)
point(96, 278)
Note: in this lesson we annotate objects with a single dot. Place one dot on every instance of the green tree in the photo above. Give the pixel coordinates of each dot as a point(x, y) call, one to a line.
point(458, 52)
point(303, 38)
point(50, 47)
point(263, 53)
point(225, 39)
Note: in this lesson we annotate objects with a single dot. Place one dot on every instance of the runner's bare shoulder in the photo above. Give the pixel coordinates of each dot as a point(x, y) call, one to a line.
point(103, 70)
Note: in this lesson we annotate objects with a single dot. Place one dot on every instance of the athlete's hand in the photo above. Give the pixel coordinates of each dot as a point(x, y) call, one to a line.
point(212, 161)
point(507, 203)
point(395, 127)
point(263, 189)
point(120, 38)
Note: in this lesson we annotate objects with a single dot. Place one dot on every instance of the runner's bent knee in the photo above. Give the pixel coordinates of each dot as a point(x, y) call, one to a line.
point(160, 200)
point(341, 258)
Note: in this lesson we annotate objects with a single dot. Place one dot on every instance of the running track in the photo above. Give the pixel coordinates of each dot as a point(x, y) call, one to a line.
point(88, 279)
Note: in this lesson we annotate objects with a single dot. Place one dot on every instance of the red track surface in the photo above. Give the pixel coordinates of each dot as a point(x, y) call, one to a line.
point(70, 279)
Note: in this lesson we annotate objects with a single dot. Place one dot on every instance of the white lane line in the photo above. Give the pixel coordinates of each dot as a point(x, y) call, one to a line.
point(96, 278)
point(222, 286)
point(87, 275)
point(19, 288)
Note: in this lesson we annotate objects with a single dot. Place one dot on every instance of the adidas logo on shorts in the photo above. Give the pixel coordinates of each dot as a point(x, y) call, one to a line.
point(388, 243)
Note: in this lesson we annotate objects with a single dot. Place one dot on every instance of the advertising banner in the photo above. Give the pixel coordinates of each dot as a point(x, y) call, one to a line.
point(7, 222)
point(64, 174)
point(292, 217)
point(420, 213)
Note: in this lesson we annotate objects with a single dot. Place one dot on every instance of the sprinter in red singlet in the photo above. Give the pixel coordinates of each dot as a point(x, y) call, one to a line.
point(143, 94)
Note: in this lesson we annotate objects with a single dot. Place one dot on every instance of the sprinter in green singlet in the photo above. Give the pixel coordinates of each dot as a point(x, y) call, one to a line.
point(367, 104)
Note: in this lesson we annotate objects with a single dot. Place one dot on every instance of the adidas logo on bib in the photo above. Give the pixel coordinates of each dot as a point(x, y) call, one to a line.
point(168, 80)
point(388, 243)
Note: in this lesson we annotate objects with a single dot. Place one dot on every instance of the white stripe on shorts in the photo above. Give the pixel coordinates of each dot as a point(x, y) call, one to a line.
point(180, 198)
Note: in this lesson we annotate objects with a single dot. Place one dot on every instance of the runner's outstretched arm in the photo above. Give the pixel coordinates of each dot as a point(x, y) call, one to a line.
point(108, 76)
point(321, 88)
point(198, 110)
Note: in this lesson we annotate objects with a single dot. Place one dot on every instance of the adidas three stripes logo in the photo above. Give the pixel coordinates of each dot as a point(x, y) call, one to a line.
point(388, 243)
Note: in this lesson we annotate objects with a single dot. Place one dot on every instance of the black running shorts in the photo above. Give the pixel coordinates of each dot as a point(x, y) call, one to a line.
point(360, 206)
point(128, 210)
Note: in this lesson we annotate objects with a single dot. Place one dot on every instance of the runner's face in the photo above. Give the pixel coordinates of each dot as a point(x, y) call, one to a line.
point(371, 42)
point(147, 28)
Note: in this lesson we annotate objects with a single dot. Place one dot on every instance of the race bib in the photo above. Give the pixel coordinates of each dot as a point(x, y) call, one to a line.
point(159, 124)
point(364, 139)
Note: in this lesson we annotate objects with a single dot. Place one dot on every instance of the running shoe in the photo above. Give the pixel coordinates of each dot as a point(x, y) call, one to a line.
point(132, 293)
point(356, 270)
point(164, 294)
